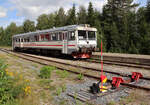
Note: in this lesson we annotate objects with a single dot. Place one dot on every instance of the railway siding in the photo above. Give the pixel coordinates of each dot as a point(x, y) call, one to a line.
point(127, 58)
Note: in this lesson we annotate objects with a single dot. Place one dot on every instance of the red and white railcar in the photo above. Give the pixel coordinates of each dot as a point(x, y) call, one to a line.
point(76, 40)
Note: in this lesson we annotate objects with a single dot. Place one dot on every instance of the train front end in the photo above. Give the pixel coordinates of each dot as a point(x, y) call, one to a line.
point(86, 42)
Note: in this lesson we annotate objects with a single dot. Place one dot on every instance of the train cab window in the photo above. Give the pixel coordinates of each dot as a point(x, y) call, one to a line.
point(82, 35)
point(91, 35)
point(21, 40)
point(71, 35)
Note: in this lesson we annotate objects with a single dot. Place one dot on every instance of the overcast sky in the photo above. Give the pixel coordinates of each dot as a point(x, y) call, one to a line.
point(19, 10)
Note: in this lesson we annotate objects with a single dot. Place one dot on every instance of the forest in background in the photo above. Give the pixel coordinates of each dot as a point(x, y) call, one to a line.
point(123, 26)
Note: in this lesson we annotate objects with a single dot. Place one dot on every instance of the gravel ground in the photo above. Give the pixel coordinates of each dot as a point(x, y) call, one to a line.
point(104, 100)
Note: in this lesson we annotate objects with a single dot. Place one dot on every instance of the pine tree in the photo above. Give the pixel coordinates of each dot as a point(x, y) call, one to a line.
point(72, 16)
point(60, 18)
point(143, 31)
point(147, 14)
point(118, 11)
point(82, 15)
point(11, 30)
point(51, 20)
point(42, 22)
point(1, 36)
point(90, 16)
point(28, 26)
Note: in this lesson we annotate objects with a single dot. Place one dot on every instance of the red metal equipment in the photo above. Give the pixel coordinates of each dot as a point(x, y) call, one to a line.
point(136, 76)
point(81, 55)
point(116, 81)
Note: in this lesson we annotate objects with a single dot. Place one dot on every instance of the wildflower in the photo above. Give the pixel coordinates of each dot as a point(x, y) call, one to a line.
point(6, 70)
point(27, 80)
point(27, 90)
point(20, 76)
point(10, 73)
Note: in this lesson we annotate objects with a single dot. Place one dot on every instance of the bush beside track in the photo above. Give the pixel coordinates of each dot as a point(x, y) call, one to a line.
point(12, 86)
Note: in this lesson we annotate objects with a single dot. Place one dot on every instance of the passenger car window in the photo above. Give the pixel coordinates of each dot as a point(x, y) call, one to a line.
point(91, 35)
point(60, 36)
point(82, 35)
point(42, 37)
point(54, 37)
point(36, 38)
point(72, 35)
point(47, 37)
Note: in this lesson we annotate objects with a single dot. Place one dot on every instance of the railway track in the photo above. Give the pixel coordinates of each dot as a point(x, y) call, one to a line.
point(119, 63)
point(44, 61)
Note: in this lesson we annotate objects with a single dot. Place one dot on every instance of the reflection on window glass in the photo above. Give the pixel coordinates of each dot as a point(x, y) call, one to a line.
point(91, 35)
point(53, 36)
point(82, 35)
point(60, 35)
point(71, 35)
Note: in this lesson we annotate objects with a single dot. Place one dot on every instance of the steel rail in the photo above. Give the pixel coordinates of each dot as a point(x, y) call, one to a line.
point(134, 65)
point(112, 57)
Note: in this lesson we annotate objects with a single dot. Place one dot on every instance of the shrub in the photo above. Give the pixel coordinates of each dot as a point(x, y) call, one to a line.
point(10, 86)
point(45, 71)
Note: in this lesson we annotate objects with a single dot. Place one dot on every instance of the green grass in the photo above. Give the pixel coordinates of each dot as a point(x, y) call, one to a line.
point(64, 88)
point(111, 103)
point(58, 91)
point(63, 102)
point(80, 76)
point(62, 74)
point(45, 71)
point(35, 65)
point(46, 84)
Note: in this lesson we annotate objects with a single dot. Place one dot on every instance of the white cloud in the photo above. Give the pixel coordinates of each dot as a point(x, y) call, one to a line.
point(3, 12)
point(135, 1)
point(18, 22)
point(31, 9)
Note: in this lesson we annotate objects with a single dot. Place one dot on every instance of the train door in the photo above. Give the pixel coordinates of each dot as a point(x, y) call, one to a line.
point(19, 43)
point(65, 43)
point(13, 42)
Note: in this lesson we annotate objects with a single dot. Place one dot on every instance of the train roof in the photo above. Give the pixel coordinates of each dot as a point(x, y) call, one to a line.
point(65, 28)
